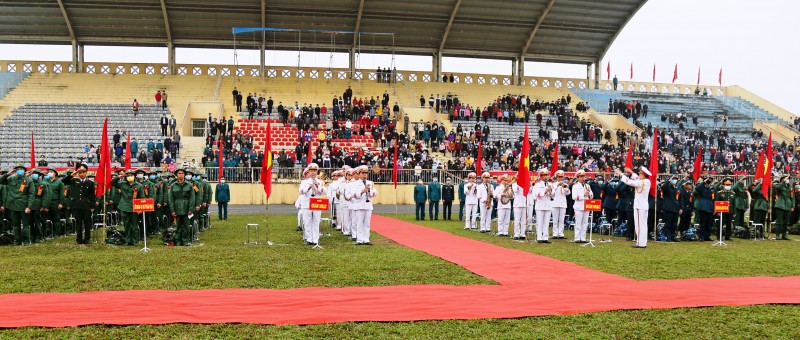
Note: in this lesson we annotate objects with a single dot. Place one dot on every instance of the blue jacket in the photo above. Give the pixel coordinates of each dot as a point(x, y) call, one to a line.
point(625, 202)
point(420, 195)
point(670, 198)
point(686, 200)
point(134, 148)
point(223, 193)
point(461, 195)
point(434, 191)
point(705, 198)
point(609, 194)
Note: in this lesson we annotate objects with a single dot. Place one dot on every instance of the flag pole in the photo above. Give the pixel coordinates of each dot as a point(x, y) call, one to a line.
point(655, 211)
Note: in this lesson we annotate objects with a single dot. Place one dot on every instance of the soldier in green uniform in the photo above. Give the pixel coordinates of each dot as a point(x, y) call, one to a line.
point(207, 194)
point(783, 206)
point(741, 201)
point(129, 191)
point(724, 193)
point(181, 203)
point(3, 214)
point(55, 209)
point(158, 183)
point(148, 191)
point(760, 207)
point(193, 178)
point(38, 203)
point(17, 191)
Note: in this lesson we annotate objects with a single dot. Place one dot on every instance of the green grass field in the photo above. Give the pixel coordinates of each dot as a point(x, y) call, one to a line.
point(222, 261)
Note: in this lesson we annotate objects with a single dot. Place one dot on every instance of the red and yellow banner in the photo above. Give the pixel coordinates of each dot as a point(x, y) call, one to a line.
point(593, 205)
point(144, 205)
point(722, 207)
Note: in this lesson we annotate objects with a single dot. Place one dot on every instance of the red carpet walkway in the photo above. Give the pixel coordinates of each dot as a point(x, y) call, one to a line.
point(530, 285)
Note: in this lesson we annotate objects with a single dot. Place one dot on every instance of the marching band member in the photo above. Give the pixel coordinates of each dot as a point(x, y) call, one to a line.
point(531, 203)
point(363, 194)
point(484, 194)
point(334, 202)
point(340, 202)
point(543, 194)
point(580, 193)
point(503, 193)
point(309, 188)
point(347, 204)
point(560, 192)
point(471, 201)
point(521, 217)
point(641, 205)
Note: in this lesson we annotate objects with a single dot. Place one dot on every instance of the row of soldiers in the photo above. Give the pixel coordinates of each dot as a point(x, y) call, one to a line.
point(35, 204)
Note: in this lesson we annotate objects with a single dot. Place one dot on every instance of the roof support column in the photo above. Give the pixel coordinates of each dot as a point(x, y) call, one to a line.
point(521, 70)
point(263, 54)
point(170, 58)
point(437, 68)
point(75, 57)
point(514, 70)
point(351, 62)
point(81, 55)
point(588, 74)
point(597, 75)
point(263, 38)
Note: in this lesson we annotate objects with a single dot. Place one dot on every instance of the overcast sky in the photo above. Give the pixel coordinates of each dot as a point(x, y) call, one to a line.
point(754, 42)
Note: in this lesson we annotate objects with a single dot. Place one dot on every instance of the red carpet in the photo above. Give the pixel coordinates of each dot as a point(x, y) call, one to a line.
point(530, 285)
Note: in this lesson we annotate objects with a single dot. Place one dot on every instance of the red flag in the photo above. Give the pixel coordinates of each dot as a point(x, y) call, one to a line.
point(524, 172)
point(720, 76)
point(128, 152)
point(768, 160)
point(629, 159)
point(103, 176)
point(759, 167)
point(220, 158)
point(631, 71)
point(654, 73)
point(480, 157)
point(654, 164)
point(698, 165)
point(608, 71)
point(554, 166)
point(698, 76)
point(310, 152)
point(396, 166)
point(266, 162)
point(33, 153)
point(675, 74)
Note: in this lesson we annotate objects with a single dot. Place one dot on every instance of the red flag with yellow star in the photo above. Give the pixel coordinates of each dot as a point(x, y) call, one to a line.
point(524, 172)
point(266, 163)
point(767, 175)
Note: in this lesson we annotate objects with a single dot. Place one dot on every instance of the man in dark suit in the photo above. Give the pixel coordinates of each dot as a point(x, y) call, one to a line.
point(670, 207)
point(270, 103)
point(81, 202)
point(164, 124)
point(235, 95)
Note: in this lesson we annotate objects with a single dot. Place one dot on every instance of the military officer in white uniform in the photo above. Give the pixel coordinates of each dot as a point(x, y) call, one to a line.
point(485, 191)
point(641, 205)
point(521, 217)
point(363, 193)
point(344, 191)
point(334, 202)
point(471, 202)
point(531, 204)
point(559, 207)
point(543, 194)
point(310, 188)
point(580, 193)
point(504, 192)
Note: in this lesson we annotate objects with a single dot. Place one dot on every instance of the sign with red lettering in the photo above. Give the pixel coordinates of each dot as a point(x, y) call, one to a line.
point(144, 205)
point(593, 205)
point(318, 204)
point(722, 207)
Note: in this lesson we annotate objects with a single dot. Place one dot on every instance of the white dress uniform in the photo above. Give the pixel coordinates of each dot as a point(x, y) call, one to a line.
point(470, 204)
point(485, 191)
point(559, 208)
point(640, 206)
point(362, 206)
point(544, 200)
point(503, 211)
point(521, 217)
point(347, 204)
point(299, 213)
point(336, 191)
point(580, 193)
point(531, 207)
point(330, 191)
point(310, 187)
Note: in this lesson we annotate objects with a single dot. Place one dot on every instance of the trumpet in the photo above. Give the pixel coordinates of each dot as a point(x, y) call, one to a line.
point(508, 192)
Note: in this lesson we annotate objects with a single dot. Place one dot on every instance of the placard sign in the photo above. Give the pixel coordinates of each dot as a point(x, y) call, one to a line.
point(318, 204)
point(144, 205)
point(722, 207)
point(593, 205)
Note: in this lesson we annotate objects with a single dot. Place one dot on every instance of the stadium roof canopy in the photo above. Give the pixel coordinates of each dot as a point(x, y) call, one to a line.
point(567, 31)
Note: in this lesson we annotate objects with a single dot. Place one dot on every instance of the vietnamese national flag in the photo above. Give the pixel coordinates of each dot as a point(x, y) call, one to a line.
point(554, 166)
point(266, 162)
point(629, 159)
point(654, 73)
point(128, 152)
point(396, 166)
point(478, 161)
point(698, 165)
point(220, 159)
point(103, 176)
point(720, 76)
point(608, 71)
point(768, 160)
point(524, 172)
point(631, 71)
point(759, 167)
point(675, 74)
point(654, 164)
point(33, 153)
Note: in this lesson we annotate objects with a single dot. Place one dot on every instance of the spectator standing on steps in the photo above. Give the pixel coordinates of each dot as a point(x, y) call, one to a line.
point(173, 123)
point(158, 99)
point(135, 107)
point(235, 95)
point(164, 100)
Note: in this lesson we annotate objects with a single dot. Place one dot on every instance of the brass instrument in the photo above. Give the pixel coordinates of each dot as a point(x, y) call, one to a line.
point(488, 197)
point(508, 193)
